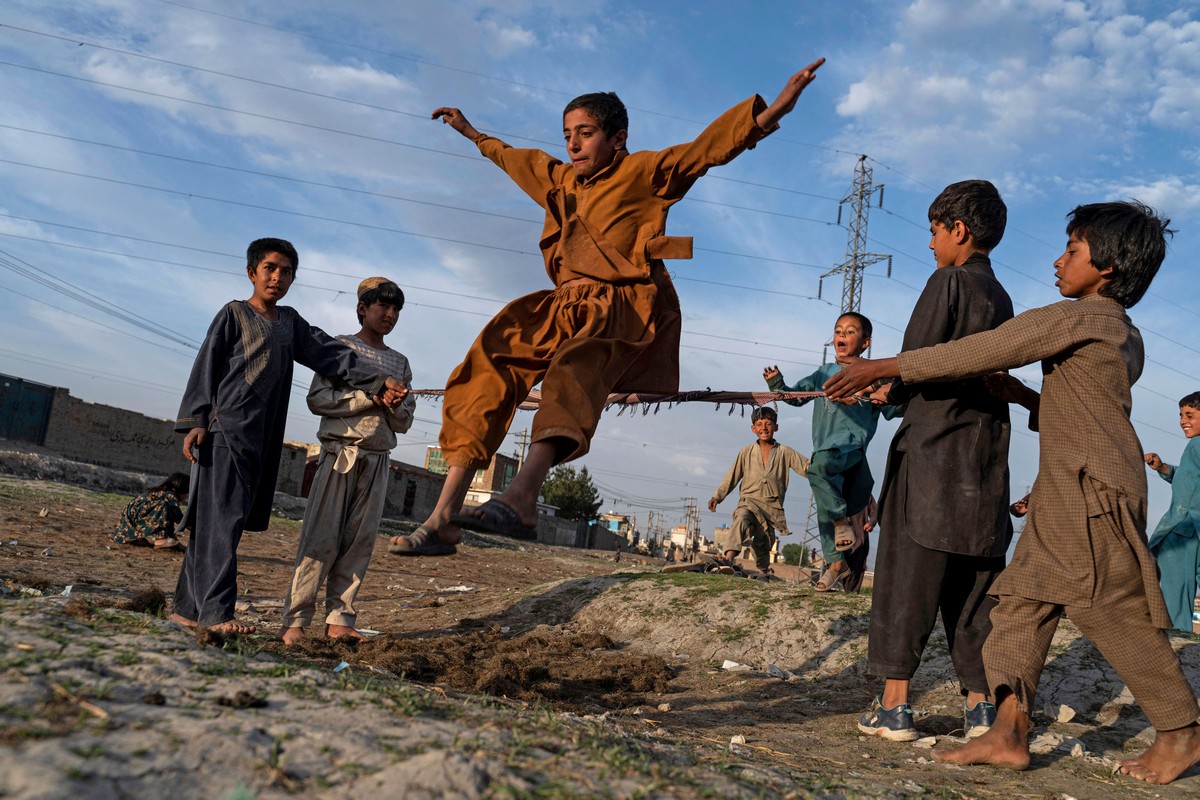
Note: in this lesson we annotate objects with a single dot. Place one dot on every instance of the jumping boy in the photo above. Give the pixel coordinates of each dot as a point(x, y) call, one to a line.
point(348, 490)
point(1176, 540)
point(839, 475)
point(233, 414)
point(612, 322)
point(1083, 550)
point(944, 525)
point(760, 471)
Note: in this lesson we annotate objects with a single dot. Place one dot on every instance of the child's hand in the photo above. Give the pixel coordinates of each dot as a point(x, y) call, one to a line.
point(1020, 508)
point(394, 392)
point(1154, 462)
point(787, 98)
point(712, 504)
point(191, 443)
point(769, 373)
point(455, 119)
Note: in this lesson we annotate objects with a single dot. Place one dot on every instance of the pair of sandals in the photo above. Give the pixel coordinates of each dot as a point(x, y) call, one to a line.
point(494, 516)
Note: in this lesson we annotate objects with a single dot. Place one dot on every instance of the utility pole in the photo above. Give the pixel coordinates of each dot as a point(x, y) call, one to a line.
point(862, 190)
point(523, 440)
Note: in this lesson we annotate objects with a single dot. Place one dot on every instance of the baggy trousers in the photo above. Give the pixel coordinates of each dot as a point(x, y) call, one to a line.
point(841, 484)
point(914, 583)
point(748, 530)
point(222, 492)
point(1118, 623)
point(336, 538)
point(578, 340)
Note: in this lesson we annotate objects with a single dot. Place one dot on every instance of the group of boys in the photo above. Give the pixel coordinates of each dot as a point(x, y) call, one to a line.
point(612, 322)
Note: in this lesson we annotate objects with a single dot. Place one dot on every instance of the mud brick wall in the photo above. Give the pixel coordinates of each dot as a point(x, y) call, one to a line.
point(113, 437)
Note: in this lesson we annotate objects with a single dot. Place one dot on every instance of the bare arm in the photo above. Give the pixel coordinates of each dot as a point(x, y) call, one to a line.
point(455, 119)
point(787, 98)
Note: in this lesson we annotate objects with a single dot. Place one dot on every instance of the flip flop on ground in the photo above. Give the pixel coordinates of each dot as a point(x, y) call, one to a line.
point(498, 517)
point(831, 577)
point(424, 541)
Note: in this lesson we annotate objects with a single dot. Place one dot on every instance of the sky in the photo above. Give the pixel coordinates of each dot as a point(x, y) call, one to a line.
point(145, 143)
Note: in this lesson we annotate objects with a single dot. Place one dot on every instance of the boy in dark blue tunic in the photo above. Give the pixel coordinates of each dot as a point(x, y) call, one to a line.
point(233, 414)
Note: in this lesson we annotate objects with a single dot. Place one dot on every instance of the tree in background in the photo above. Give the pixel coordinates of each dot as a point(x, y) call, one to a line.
point(794, 554)
point(573, 492)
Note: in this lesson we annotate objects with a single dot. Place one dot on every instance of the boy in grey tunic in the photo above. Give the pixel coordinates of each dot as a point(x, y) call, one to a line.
point(350, 486)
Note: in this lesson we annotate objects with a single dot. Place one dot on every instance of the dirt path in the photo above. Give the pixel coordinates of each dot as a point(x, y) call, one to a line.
point(529, 672)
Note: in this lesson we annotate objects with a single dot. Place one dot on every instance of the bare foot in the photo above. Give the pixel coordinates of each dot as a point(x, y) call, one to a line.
point(1168, 758)
point(291, 635)
point(1002, 746)
point(184, 621)
point(232, 626)
point(343, 631)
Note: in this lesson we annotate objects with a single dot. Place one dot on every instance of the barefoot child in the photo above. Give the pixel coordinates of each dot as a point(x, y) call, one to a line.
point(350, 485)
point(612, 321)
point(839, 475)
point(1175, 542)
point(943, 520)
point(233, 415)
point(1083, 551)
point(761, 471)
point(151, 517)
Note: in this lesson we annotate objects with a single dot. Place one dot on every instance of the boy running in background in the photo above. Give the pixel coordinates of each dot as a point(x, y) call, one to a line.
point(760, 471)
point(1175, 543)
point(943, 524)
point(839, 475)
point(612, 321)
point(233, 414)
point(350, 486)
point(1083, 551)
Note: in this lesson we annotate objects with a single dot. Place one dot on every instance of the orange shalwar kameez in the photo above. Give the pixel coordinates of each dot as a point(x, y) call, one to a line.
point(615, 325)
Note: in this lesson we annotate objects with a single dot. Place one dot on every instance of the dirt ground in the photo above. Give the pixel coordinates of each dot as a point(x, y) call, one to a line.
point(505, 671)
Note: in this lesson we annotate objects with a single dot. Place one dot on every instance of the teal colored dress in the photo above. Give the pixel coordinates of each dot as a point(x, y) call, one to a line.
point(149, 516)
point(1176, 540)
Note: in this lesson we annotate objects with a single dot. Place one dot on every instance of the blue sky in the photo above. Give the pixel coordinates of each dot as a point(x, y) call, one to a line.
point(144, 143)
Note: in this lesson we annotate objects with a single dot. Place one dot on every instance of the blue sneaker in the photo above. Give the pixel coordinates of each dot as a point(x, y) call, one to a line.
point(978, 720)
point(895, 724)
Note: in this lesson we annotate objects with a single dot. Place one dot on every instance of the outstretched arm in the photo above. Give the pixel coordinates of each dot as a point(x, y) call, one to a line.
point(858, 374)
point(455, 119)
point(787, 98)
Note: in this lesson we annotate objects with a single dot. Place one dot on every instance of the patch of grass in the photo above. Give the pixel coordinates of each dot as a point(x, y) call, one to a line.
point(126, 658)
point(94, 750)
point(215, 669)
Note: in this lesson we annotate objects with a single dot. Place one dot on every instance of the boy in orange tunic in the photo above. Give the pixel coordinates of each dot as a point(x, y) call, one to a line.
point(612, 321)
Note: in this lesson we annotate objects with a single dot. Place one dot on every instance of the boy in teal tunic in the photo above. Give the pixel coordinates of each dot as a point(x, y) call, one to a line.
point(840, 478)
point(1176, 540)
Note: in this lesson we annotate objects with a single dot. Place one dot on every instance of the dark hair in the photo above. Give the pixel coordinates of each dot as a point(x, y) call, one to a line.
point(261, 248)
point(607, 109)
point(863, 322)
point(1191, 401)
point(977, 203)
point(764, 411)
point(388, 293)
point(1128, 237)
point(176, 483)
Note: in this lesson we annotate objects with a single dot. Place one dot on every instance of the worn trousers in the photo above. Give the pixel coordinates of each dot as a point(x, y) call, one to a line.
point(1118, 622)
point(748, 530)
point(841, 484)
point(577, 340)
point(912, 585)
point(221, 496)
point(336, 538)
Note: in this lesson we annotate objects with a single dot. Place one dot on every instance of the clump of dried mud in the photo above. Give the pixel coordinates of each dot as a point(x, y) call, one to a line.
point(573, 671)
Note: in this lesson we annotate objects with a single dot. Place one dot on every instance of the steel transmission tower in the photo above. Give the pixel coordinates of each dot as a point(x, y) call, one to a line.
point(851, 269)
